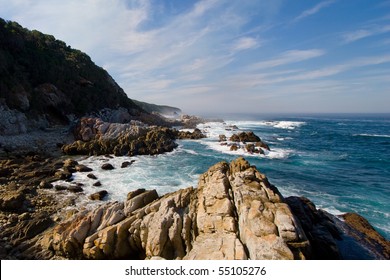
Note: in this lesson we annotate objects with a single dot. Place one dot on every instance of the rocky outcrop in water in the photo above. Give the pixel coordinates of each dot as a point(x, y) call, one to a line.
point(196, 134)
point(96, 137)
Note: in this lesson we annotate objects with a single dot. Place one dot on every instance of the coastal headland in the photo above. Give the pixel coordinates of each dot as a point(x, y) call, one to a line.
point(68, 107)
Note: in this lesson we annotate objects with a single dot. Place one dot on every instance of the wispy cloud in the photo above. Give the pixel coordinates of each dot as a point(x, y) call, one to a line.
point(364, 33)
point(245, 43)
point(205, 52)
point(288, 57)
point(313, 10)
point(338, 68)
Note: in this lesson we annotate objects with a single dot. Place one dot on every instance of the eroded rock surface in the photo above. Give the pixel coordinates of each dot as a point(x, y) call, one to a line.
point(233, 214)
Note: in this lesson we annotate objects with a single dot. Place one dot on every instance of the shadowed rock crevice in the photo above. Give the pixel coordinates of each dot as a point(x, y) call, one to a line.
point(233, 214)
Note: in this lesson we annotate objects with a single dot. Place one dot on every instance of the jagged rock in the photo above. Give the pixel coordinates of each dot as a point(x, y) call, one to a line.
point(60, 188)
point(233, 214)
point(189, 121)
point(251, 148)
point(75, 189)
point(70, 162)
point(98, 195)
point(97, 184)
point(364, 233)
point(222, 138)
point(125, 164)
point(233, 147)
point(45, 185)
point(138, 199)
point(107, 166)
point(100, 138)
point(196, 134)
point(12, 121)
point(82, 168)
point(215, 218)
point(245, 137)
point(234, 138)
point(248, 137)
point(29, 228)
point(320, 230)
point(12, 201)
point(62, 175)
point(263, 145)
point(92, 176)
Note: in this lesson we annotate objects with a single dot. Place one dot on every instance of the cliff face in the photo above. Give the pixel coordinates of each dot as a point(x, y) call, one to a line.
point(43, 82)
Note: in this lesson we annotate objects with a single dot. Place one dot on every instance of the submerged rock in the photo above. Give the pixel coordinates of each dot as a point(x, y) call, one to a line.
point(12, 201)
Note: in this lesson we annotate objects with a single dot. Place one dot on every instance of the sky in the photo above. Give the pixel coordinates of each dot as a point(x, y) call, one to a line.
point(227, 56)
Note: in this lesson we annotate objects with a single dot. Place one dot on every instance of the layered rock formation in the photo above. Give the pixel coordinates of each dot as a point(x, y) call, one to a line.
point(233, 214)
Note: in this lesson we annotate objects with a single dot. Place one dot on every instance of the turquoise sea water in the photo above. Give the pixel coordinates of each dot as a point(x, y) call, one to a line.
point(340, 162)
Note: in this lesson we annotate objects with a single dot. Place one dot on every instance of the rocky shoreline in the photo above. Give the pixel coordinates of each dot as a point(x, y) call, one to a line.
point(233, 213)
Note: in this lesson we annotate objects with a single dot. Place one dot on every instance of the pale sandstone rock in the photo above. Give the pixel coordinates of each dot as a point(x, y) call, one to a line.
point(233, 214)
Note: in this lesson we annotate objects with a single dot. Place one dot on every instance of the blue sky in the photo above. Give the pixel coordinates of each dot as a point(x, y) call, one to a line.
point(226, 56)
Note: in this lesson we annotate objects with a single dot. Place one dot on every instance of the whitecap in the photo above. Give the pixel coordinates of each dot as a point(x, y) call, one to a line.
point(189, 151)
point(275, 153)
point(278, 153)
point(332, 210)
point(373, 135)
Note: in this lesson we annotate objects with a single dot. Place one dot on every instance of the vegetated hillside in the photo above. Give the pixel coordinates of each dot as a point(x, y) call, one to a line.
point(42, 76)
point(160, 109)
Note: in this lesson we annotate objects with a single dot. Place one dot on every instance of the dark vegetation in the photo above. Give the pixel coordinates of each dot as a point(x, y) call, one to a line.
point(31, 63)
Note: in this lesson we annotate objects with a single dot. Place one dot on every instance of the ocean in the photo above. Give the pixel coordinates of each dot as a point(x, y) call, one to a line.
point(340, 162)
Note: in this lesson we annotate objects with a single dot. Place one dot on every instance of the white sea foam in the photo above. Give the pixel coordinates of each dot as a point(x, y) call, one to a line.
point(287, 124)
point(228, 128)
point(149, 172)
point(275, 153)
point(373, 135)
point(277, 124)
point(332, 210)
point(213, 129)
point(189, 151)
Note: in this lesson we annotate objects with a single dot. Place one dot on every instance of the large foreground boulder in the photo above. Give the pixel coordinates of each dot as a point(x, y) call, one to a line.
point(233, 214)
